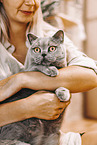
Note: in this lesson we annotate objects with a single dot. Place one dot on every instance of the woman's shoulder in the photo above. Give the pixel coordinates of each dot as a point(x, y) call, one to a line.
point(48, 29)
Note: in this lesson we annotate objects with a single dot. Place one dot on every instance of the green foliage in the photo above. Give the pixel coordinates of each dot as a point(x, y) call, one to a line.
point(48, 8)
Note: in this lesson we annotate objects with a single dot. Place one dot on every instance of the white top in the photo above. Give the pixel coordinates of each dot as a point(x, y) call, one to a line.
point(70, 138)
point(10, 65)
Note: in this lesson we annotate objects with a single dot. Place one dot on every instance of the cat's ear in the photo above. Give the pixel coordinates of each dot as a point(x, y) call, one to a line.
point(59, 35)
point(31, 37)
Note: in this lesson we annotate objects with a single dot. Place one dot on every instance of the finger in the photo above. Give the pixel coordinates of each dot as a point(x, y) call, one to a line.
point(63, 104)
point(60, 108)
point(56, 116)
point(67, 103)
point(59, 111)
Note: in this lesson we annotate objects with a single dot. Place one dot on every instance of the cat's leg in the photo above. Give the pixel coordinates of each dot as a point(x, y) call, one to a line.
point(12, 142)
point(52, 71)
point(48, 70)
point(63, 94)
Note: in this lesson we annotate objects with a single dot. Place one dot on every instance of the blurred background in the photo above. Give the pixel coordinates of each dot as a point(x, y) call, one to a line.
point(78, 18)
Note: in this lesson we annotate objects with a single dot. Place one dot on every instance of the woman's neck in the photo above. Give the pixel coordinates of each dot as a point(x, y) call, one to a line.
point(17, 34)
point(18, 38)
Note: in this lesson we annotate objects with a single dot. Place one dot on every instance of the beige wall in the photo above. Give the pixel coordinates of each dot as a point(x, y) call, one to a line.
point(75, 109)
point(91, 50)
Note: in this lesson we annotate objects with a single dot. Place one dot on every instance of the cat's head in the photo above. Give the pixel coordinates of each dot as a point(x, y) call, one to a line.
point(46, 50)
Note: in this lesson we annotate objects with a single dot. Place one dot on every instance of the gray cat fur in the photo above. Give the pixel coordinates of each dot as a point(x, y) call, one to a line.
point(36, 131)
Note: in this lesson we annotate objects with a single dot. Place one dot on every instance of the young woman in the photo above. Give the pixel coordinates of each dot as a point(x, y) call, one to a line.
point(17, 17)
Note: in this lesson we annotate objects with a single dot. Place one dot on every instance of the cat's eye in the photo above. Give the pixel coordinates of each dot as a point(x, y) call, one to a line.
point(37, 49)
point(52, 48)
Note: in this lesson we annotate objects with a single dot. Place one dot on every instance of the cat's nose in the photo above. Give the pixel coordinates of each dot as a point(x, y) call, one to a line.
point(43, 54)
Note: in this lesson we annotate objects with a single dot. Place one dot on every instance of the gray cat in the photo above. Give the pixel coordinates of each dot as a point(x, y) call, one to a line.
point(45, 55)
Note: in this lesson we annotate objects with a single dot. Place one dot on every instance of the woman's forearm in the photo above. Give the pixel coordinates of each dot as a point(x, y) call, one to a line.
point(11, 112)
point(78, 79)
point(75, 78)
point(10, 86)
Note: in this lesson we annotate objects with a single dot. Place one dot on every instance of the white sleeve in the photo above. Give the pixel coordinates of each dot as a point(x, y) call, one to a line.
point(78, 58)
point(8, 64)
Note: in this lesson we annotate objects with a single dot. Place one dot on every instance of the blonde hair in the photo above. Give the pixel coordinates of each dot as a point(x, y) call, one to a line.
point(4, 22)
point(37, 27)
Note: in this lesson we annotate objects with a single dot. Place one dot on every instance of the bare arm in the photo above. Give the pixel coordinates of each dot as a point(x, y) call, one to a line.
point(75, 78)
point(22, 109)
point(26, 108)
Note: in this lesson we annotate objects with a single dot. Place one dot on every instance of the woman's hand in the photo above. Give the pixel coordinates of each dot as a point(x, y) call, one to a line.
point(46, 105)
point(43, 105)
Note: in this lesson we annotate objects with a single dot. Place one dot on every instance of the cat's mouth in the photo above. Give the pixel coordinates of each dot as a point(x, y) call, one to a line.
point(45, 62)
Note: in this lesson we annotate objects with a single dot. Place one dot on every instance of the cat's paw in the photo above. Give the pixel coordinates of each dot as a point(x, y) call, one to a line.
point(52, 71)
point(63, 94)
